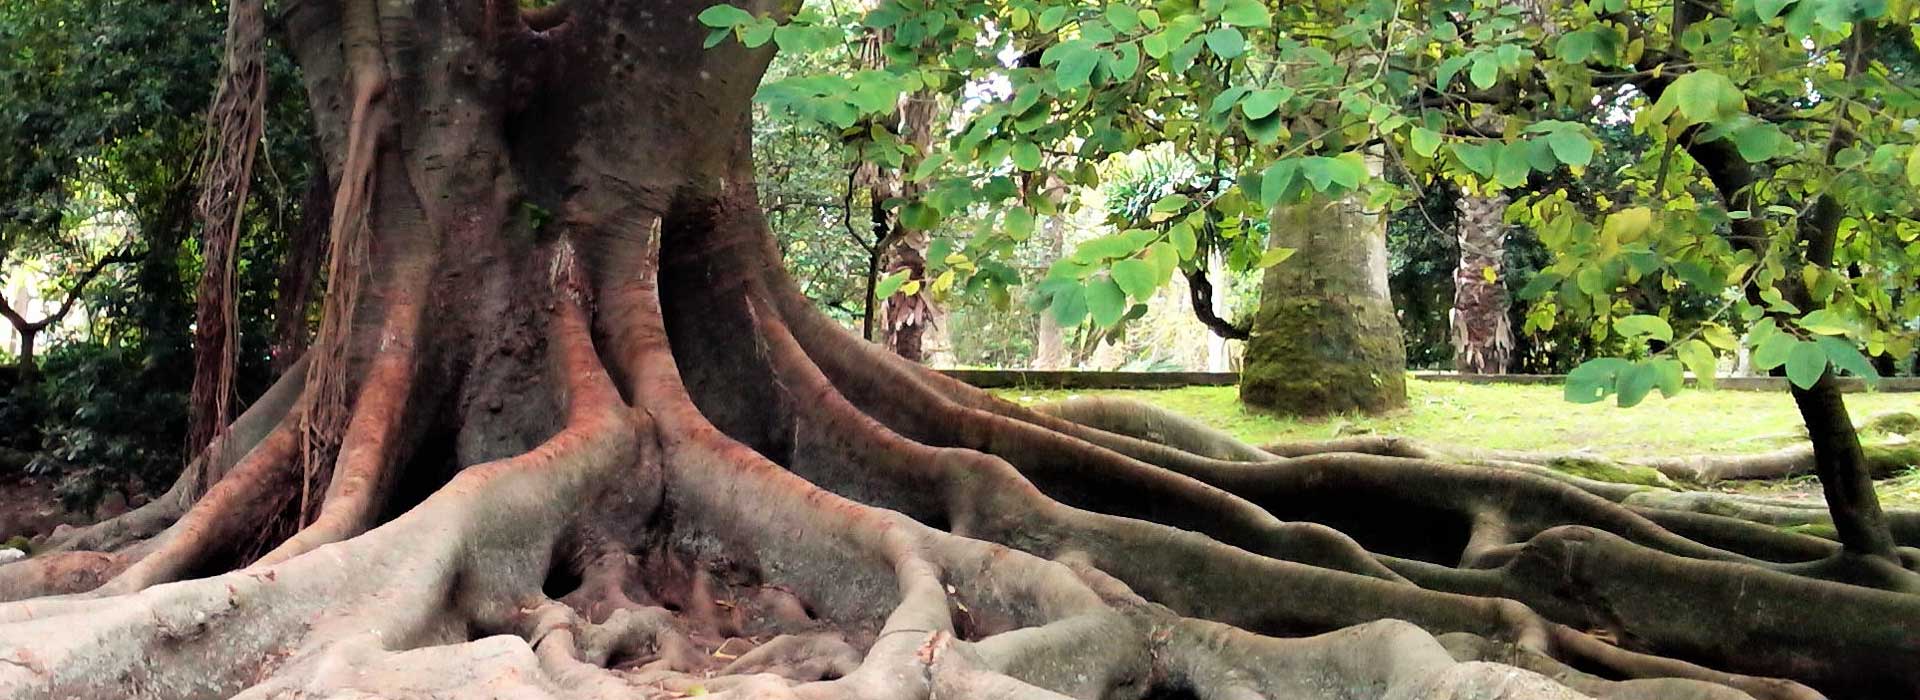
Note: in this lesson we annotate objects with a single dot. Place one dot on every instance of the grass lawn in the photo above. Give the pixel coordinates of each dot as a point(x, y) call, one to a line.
point(1522, 417)
point(1534, 417)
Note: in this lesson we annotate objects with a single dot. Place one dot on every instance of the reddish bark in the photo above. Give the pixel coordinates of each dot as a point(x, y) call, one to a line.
point(614, 452)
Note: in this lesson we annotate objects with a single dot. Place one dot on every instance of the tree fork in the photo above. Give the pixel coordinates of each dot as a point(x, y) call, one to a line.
point(591, 441)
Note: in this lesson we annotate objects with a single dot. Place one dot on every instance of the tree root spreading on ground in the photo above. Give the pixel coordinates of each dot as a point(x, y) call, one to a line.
point(611, 451)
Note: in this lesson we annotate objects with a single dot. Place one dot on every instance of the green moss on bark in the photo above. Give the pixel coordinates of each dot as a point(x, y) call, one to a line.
point(1612, 472)
point(1326, 339)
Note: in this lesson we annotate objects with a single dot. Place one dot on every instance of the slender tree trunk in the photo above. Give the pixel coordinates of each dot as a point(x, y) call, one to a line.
point(909, 316)
point(1325, 339)
point(1049, 344)
point(615, 451)
point(1482, 334)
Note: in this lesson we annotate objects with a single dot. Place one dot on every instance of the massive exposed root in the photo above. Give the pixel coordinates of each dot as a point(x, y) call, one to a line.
point(596, 444)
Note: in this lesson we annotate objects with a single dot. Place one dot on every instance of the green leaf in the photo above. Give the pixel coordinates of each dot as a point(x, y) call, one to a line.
point(1485, 72)
point(1449, 68)
point(1913, 167)
point(1593, 380)
point(1261, 103)
point(1424, 141)
point(1070, 305)
point(1845, 356)
point(1669, 376)
point(890, 283)
point(1476, 157)
point(1136, 277)
point(1772, 351)
point(724, 16)
point(1246, 13)
point(1123, 17)
point(1698, 358)
point(1634, 383)
point(1639, 325)
point(1511, 166)
point(1172, 203)
point(1272, 257)
point(1575, 47)
point(1571, 147)
point(1769, 9)
point(1825, 322)
point(1106, 301)
point(1019, 223)
point(1073, 63)
point(1805, 363)
point(1226, 42)
point(1026, 156)
point(1699, 97)
point(1165, 261)
point(1183, 240)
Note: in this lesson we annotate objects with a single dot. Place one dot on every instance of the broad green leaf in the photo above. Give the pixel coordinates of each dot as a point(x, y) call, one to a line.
point(1424, 141)
point(1485, 72)
point(1019, 223)
point(1627, 225)
point(1772, 351)
point(1106, 301)
point(1639, 325)
point(1272, 257)
point(1026, 156)
point(1226, 42)
point(1449, 68)
point(1826, 322)
point(1261, 103)
point(1700, 96)
point(890, 283)
point(1172, 203)
point(1699, 359)
point(1593, 380)
point(1123, 17)
point(1136, 277)
point(1477, 157)
point(1669, 376)
point(1913, 167)
point(1718, 336)
point(1845, 356)
point(1571, 147)
point(1511, 167)
point(724, 16)
point(1165, 261)
point(1183, 240)
point(1246, 13)
point(1805, 363)
point(1634, 383)
point(1769, 9)
point(1070, 305)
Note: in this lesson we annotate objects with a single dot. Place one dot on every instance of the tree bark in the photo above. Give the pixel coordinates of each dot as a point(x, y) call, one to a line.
point(293, 287)
point(614, 451)
point(1325, 339)
point(1482, 334)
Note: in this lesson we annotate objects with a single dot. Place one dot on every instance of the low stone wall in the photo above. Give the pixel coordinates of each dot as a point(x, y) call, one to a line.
point(1068, 379)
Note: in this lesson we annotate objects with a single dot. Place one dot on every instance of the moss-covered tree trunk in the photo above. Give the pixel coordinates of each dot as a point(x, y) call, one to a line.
point(1326, 339)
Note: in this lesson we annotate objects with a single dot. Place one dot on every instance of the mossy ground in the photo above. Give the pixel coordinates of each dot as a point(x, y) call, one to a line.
point(1532, 417)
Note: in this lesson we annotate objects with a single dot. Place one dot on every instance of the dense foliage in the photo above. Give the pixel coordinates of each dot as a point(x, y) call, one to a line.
point(1811, 102)
point(103, 128)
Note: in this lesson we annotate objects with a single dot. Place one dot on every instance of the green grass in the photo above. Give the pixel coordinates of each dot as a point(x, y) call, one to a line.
point(1521, 417)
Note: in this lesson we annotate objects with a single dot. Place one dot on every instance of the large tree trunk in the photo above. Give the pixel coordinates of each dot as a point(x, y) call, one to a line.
point(294, 285)
point(1482, 335)
point(613, 452)
point(1325, 339)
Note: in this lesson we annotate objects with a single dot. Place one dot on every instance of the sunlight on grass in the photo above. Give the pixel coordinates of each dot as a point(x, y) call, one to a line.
point(1522, 417)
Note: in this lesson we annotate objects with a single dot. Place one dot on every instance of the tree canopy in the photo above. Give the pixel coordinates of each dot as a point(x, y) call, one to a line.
point(1763, 128)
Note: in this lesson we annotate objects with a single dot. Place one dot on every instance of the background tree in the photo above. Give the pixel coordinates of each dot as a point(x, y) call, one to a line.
point(565, 407)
